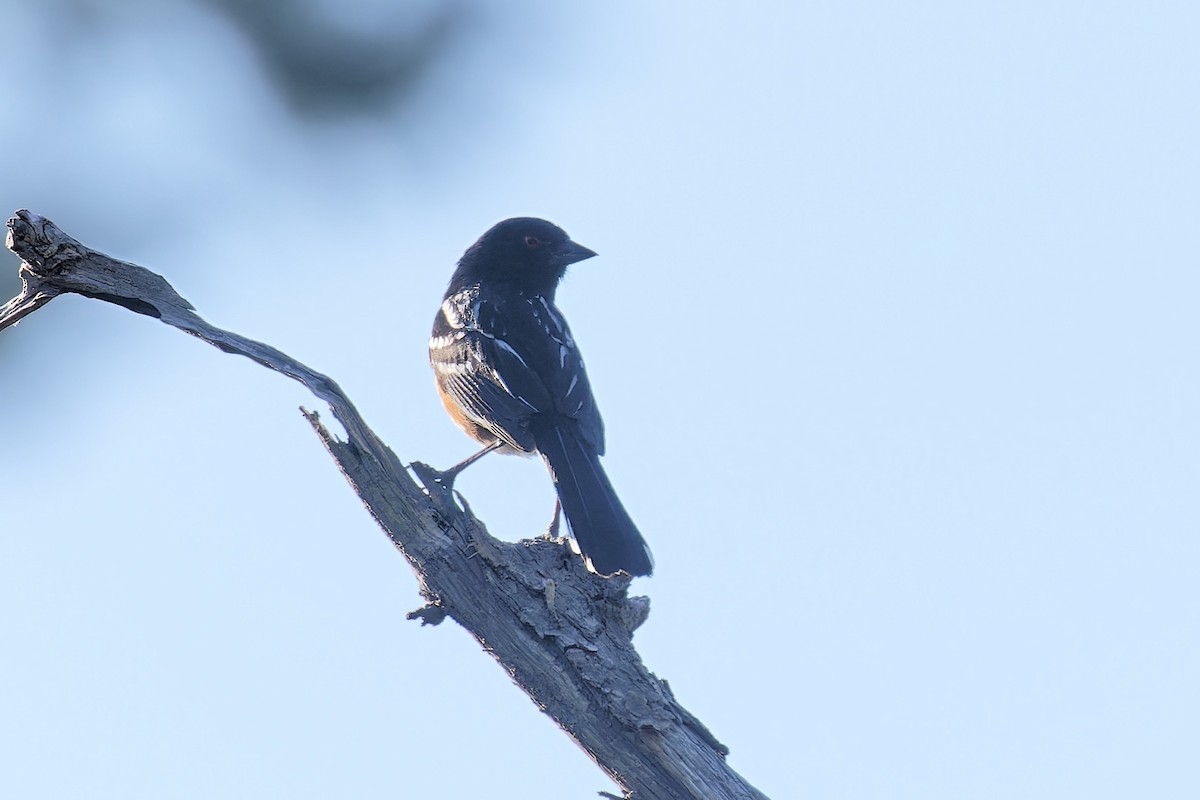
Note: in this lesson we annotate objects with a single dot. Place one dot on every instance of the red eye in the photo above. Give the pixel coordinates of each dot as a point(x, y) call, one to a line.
point(532, 242)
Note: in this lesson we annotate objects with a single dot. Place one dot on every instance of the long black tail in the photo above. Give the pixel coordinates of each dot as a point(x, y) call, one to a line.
point(598, 521)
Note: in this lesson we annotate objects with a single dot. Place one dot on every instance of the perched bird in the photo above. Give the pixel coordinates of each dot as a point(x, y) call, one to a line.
point(510, 375)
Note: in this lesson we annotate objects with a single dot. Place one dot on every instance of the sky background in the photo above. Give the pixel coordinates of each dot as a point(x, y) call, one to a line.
point(893, 328)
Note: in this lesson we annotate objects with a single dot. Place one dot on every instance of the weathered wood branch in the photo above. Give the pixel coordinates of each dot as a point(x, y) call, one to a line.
point(564, 634)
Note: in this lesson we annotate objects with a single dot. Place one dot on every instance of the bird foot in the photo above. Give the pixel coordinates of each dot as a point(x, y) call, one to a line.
point(431, 477)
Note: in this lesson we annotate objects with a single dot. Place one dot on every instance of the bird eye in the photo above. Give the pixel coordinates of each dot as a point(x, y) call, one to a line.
point(532, 242)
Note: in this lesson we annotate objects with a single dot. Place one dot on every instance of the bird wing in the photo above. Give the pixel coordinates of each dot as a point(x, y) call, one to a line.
point(506, 359)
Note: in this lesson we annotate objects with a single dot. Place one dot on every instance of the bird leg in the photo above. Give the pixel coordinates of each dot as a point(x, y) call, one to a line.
point(446, 478)
point(552, 531)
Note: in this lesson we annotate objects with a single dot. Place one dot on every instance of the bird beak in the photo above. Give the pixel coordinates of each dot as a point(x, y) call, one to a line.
point(570, 253)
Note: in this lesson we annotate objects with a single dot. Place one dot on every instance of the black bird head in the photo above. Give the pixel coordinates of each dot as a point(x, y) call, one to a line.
point(527, 254)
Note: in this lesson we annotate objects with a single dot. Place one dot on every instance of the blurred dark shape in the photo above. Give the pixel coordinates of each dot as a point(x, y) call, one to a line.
point(326, 70)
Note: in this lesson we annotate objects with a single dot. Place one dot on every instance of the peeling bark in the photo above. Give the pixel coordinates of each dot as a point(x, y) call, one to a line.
point(563, 634)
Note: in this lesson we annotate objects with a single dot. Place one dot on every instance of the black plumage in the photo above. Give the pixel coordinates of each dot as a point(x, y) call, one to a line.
point(510, 374)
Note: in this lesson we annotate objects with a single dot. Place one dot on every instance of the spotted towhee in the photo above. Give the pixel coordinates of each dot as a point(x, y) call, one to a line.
point(509, 373)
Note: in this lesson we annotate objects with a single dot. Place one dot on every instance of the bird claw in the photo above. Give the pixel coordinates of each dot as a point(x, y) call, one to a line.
point(431, 477)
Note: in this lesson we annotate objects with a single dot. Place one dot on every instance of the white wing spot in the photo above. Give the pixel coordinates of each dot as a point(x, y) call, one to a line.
point(553, 317)
point(509, 348)
point(560, 327)
point(459, 314)
point(445, 340)
point(453, 367)
point(450, 312)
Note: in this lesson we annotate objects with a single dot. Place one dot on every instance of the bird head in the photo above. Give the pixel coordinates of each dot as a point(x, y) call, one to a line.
point(526, 253)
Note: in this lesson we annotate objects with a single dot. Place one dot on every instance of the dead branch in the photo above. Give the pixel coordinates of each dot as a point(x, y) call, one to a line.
point(564, 634)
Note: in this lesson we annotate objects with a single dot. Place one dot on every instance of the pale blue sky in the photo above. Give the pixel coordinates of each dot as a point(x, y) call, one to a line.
point(893, 328)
